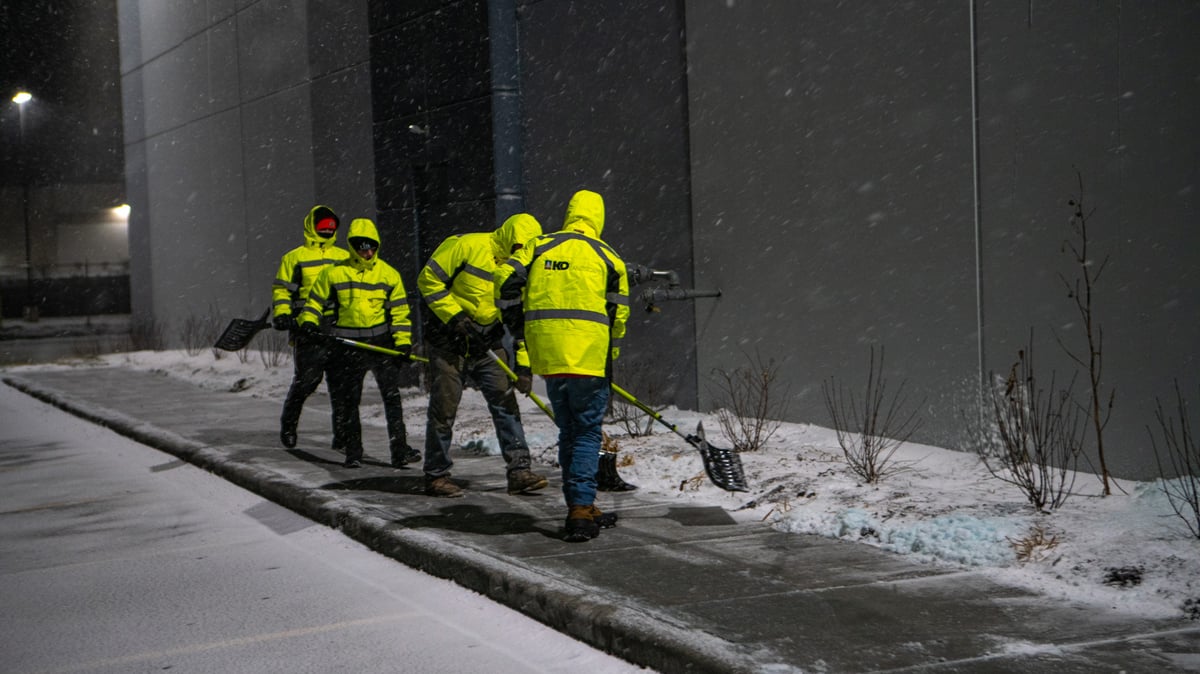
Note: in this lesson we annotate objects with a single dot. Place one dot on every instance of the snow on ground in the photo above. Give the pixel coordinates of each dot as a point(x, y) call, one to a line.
point(1127, 552)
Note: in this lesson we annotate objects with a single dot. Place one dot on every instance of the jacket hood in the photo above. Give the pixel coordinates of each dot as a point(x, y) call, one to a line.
point(314, 216)
point(517, 229)
point(585, 210)
point(362, 228)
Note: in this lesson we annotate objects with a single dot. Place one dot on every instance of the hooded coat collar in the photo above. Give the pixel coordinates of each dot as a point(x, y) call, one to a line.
point(585, 214)
point(318, 213)
point(362, 228)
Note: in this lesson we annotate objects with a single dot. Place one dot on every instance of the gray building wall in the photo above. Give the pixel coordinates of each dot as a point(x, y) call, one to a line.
point(834, 175)
point(239, 116)
point(849, 176)
point(604, 96)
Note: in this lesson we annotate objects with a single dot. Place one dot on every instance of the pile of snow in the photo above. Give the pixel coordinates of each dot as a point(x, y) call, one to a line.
point(1127, 552)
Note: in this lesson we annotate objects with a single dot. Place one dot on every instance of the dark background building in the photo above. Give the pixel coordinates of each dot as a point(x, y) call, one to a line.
point(849, 175)
point(62, 160)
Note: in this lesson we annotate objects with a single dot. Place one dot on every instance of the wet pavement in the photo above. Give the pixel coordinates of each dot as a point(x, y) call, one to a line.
point(677, 589)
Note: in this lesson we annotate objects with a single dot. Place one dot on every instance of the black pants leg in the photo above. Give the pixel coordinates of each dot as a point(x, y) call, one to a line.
point(387, 376)
point(346, 371)
point(308, 358)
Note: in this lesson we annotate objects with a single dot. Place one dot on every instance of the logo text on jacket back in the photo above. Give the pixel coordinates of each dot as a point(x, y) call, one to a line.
point(556, 265)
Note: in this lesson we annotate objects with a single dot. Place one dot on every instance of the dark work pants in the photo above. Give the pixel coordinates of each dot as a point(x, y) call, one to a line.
point(309, 358)
point(348, 367)
point(447, 372)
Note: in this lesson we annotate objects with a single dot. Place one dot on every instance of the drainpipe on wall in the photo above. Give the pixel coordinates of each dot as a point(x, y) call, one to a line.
point(506, 108)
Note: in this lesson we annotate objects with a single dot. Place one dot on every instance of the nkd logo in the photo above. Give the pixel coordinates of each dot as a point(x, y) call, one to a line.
point(556, 265)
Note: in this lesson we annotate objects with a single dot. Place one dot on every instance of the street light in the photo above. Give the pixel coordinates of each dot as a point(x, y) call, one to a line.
point(30, 310)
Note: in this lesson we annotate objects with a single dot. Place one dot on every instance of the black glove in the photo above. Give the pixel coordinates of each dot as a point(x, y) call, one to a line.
point(309, 329)
point(284, 322)
point(402, 354)
point(463, 326)
point(524, 381)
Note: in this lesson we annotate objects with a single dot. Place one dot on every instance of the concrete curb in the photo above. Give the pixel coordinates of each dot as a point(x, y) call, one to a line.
point(635, 634)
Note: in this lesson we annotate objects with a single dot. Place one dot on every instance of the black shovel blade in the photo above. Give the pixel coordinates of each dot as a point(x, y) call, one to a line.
point(239, 333)
point(724, 466)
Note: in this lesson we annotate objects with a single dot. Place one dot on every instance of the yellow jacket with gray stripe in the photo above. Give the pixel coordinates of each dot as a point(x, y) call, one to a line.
point(458, 277)
point(367, 297)
point(300, 266)
point(575, 293)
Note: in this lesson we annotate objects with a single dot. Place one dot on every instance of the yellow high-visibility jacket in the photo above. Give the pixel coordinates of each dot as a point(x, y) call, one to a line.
point(458, 278)
point(367, 297)
point(575, 293)
point(300, 266)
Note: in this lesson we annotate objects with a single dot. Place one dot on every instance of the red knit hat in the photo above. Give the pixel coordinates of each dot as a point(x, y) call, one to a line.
point(326, 225)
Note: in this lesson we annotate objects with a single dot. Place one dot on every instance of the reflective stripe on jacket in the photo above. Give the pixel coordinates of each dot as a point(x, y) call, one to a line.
point(367, 297)
point(458, 276)
point(575, 292)
point(300, 266)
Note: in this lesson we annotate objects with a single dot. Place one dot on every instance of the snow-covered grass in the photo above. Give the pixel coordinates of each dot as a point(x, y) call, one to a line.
point(1127, 552)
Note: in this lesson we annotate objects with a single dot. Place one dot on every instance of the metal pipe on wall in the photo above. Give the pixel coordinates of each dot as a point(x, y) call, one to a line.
point(506, 108)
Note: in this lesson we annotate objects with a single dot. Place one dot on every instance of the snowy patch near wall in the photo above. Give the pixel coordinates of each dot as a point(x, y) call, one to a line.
point(1128, 552)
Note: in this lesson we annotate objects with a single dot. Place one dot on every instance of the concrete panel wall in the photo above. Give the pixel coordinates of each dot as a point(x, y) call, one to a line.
point(603, 95)
point(239, 115)
point(831, 168)
point(1105, 108)
point(835, 145)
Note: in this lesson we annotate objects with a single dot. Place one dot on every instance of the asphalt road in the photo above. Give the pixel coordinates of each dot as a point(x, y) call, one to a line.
point(118, 558)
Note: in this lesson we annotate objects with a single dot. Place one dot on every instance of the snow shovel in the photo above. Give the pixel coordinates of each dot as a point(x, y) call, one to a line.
point(724, 466)
point(513, 376)
point(240, 331)
point(607, 478)
point(380, 349)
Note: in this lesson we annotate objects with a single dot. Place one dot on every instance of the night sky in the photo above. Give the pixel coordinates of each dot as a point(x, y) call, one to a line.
point(65, 53)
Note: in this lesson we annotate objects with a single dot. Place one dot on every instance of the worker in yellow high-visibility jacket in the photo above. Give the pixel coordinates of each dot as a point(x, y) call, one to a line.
point(369, 304)
point(575, 296)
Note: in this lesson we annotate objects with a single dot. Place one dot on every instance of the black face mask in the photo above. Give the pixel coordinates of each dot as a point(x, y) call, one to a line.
point(363, 245)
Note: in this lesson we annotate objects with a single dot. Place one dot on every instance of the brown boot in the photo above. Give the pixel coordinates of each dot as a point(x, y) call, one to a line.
point(581, 524)
point(603, 520)
point(442, 486)
point(523, 481)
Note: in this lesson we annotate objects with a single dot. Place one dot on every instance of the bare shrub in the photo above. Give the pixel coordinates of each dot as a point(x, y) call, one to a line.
point(1038, 434)
point(211, 329)
point(750, 409)
point(145, 334)
point(1180, 472)
point(273, 349)
point(870, 429)
point(192, 334)
point(1081, 289)
point(629, 416)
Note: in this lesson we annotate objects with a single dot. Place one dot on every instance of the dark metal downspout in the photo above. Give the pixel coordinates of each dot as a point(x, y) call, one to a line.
point(506, 108)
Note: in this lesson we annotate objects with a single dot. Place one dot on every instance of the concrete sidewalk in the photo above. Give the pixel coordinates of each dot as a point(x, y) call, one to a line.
point(675, 589)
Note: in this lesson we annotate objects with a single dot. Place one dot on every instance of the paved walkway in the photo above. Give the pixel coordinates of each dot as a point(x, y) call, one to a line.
point(677, 589)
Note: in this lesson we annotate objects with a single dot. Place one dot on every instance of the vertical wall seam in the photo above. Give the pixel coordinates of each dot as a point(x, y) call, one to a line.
point(975, 179)
point(237, 46)
point(687, 156)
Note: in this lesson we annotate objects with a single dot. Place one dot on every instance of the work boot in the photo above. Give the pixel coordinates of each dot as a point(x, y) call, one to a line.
point(523, 481)
point(287, 433)
point(442, 486)
point(581, 524)
point(603, 520)
point(607, 478)
point(352, 463)
point(405, 456)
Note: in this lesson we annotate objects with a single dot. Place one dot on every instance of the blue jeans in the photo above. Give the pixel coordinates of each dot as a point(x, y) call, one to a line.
point(579, 404)
point(447, 372)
